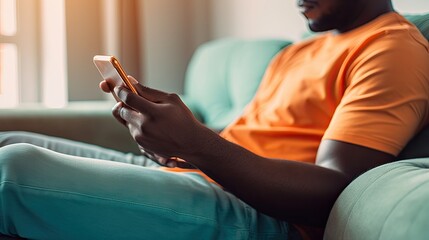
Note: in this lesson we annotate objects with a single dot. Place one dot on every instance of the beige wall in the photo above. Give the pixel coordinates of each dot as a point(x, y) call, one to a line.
point(155, 41)
point(256, 19)
point(411, 6)
point(87, 35)
point(31, 51)
point(171, 30)
point(83, 21)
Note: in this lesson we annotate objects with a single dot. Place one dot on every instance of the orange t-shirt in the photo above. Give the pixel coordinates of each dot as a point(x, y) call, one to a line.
point(369, 87)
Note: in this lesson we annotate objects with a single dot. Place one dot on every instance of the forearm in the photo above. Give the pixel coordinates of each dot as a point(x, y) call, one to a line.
point(294, 191)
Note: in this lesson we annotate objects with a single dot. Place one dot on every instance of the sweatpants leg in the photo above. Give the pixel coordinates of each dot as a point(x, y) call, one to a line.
point(74, 148)
point(50, 195)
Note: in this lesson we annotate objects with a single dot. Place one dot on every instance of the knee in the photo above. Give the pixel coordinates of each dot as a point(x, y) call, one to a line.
point(15, 159)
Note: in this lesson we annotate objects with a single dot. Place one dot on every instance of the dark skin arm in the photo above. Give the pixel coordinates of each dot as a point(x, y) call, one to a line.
point(293, 191)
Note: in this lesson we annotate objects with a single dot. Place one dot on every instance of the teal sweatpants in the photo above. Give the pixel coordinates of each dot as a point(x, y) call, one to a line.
point(52, 188)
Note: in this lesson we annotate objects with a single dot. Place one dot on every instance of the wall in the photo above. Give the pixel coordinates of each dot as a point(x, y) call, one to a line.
point(256, 19)
point(170, 32)
point(89, 32)
point(411, 6)
point(84, 38)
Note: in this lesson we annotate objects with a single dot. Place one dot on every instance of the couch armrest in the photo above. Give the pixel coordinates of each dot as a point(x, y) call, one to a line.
point(90, 122)
point(388, 202)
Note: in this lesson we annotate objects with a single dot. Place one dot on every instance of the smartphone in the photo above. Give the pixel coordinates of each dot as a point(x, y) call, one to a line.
point(110, 69)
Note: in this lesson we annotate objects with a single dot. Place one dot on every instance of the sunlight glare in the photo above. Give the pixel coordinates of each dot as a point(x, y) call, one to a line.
point(54, 66)
point(9, 96)
point(8, 17)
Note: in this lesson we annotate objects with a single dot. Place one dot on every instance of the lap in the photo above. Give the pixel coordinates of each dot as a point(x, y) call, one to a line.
point(84, 198)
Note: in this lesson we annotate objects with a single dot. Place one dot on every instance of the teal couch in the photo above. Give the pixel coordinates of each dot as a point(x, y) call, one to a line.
point(390, 202)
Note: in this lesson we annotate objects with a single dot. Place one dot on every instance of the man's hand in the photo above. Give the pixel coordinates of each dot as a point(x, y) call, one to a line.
point(161, 124)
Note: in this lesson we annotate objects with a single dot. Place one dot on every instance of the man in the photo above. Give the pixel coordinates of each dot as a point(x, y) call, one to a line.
point(328, 109)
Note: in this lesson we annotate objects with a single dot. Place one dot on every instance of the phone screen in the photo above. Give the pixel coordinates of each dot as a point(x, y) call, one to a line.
point(111, 70)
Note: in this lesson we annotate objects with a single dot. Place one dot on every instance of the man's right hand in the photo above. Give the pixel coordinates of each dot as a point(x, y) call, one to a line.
point(162, 160)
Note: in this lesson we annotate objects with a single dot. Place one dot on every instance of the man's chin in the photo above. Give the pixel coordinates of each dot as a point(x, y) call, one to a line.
point(316, 27)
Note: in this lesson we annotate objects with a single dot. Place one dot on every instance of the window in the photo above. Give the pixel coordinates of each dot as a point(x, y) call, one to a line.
point(32, 53)
point(8, 54)
point(53, 54)
point(46, 48)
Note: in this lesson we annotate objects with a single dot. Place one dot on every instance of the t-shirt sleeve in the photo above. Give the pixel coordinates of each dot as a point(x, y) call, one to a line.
point(385, 101)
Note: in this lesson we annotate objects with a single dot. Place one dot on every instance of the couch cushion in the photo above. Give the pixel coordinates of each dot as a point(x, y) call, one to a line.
point(390, 202)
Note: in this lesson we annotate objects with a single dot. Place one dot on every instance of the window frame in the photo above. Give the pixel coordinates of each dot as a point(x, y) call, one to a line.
point(27, 62)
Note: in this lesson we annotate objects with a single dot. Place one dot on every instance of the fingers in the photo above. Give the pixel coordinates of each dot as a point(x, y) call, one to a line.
point(150, 94)
point(126, 115)
point(150, 156)
point(161, 160)
point(140, 104)
point(133, 80)
point(175, 162)
point(116, 113)
point(104, 86)
point(171, 162)
point(129, 116)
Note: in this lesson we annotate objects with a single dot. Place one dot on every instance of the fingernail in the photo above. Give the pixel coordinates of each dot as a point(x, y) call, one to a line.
point(161, 161)
point(172, 164)
point(133, 80)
